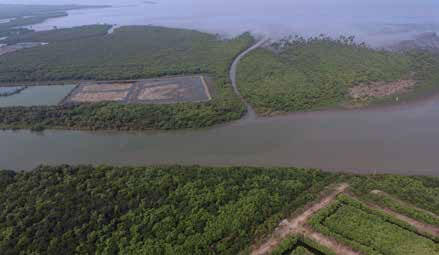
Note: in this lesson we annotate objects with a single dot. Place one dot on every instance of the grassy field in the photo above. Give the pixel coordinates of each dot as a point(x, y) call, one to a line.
point(128, 53)
point(370, 231)
point(305, 75)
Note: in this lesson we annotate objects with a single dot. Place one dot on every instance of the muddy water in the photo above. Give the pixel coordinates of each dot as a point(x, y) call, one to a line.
point(401, 139)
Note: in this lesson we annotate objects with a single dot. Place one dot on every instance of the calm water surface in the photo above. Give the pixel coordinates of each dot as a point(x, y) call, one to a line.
point(401, 139)
point(378, 22)
point(37, 95)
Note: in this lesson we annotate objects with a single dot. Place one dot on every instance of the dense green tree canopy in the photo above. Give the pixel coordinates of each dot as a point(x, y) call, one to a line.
point(147, 210)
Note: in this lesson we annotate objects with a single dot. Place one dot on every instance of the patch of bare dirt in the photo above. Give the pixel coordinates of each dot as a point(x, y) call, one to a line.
point(168, 91)
point(365, 92)
point(107, 87)
point(100, 96)
point(296, 225)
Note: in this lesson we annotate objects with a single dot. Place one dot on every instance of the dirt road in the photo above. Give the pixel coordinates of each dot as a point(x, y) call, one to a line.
point(251, 114)
point(296, 225)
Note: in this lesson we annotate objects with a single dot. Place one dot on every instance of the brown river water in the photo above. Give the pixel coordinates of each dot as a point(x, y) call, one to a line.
point(397, 139)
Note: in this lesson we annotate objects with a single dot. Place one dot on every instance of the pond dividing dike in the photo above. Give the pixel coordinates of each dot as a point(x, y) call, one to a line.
point(399, 139)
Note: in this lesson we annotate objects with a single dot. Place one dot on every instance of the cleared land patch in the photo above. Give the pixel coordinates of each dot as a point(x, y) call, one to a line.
point(365, 92)
point(370, 231)
point(107, 87)
point(152, 91)
point(99, 97)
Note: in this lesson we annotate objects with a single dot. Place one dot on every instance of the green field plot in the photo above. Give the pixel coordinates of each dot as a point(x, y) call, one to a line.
point(387, 201)
point(370, 231)
point(300, 245)
point(404, 191)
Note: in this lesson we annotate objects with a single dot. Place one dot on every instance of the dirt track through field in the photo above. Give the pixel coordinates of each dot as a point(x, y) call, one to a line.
point(296, 225)
point(379, 192)
point(420, 226)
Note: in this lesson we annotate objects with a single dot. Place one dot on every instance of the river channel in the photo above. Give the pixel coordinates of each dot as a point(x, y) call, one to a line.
point(397, 139)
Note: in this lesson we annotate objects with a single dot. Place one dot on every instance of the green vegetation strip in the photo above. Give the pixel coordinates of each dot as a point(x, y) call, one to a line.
point(304, 75)
point(128, 53)
point(301, 245)
point(148, 210)
point(422, 192)
point(370, 231)
point(387, 202)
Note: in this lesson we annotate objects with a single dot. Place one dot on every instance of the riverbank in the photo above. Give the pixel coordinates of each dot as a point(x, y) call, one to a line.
point(396, 139)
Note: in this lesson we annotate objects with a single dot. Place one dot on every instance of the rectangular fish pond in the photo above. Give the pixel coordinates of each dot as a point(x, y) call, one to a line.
point(35, 95)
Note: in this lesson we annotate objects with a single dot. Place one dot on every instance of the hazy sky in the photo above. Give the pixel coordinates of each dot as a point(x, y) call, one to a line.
point(257, 2)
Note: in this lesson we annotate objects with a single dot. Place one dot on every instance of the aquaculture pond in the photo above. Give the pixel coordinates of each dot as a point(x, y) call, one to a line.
point(37, 95)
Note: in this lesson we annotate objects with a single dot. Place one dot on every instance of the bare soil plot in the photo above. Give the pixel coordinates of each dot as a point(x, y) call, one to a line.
point(364, 92)
point(99, 96)
point(164, 92)
point(150, 91)
point(107, 87)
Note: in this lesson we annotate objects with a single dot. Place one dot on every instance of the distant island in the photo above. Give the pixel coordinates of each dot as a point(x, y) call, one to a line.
point(15, 16)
